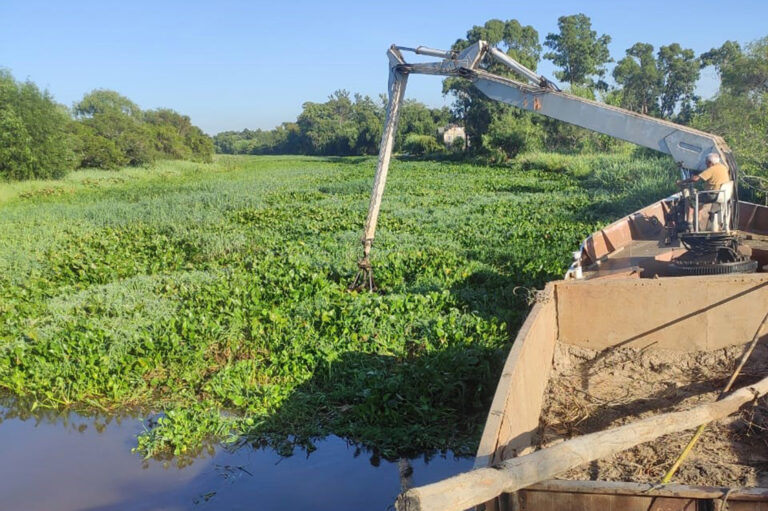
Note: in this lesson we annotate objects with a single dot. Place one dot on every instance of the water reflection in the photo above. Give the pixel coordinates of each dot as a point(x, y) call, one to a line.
point(66, 461)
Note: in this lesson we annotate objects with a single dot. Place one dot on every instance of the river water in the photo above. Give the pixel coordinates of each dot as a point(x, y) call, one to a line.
point(68, 462)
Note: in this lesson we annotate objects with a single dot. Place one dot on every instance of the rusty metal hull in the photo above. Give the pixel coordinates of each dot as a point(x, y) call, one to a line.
point(634, 246)
point(600, 495)
point(622, 275)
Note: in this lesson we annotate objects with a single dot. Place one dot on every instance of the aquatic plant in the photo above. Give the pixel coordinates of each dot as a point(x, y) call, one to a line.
point(216, 294)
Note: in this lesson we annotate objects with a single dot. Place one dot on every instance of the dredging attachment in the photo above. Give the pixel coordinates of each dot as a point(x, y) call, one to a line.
point(712, 253)
point(364, 278)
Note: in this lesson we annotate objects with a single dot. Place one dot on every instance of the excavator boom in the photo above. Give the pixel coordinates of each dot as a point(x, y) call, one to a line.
point(687, 146)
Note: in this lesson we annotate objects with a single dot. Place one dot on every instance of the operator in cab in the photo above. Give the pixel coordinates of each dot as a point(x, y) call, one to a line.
point(715, 175)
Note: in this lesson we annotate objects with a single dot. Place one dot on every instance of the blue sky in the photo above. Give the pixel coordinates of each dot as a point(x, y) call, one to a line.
point(235, 64)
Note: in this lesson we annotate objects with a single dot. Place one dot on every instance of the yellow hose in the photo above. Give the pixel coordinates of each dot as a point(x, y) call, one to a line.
point(695, 438)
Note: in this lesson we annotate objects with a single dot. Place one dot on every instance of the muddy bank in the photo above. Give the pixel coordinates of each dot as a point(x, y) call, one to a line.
point(590, 391)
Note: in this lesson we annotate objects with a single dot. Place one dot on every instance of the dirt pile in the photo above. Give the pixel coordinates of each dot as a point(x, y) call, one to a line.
point(590, 391)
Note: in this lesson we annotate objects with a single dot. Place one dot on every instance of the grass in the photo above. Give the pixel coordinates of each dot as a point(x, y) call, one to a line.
point(215, 295)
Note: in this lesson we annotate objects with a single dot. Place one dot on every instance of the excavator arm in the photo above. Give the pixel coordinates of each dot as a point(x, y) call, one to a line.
point(687, 146)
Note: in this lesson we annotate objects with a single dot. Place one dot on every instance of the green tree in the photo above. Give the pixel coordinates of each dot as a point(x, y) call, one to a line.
point(288, 139)
point(16, 158)
point(95, 151)
point(679, 69)
point(721, 57)
point(113, 121)
point(176, 137)
point(103, 101)
point(521, 42)
point(470, 106)
point(417, 118)
point(368, 117)
point(746, 72)
point(739, 111)
point(34, 136)
point(330, 126)
point(343, 125)
point(510, 134)
point(640, 79)
point(346, 124)
point(117, 132)
point(578, 50)
point(422, 144)
point(663, 85)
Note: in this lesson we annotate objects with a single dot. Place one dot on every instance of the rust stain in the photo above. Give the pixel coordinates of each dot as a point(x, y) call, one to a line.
point(536, 104)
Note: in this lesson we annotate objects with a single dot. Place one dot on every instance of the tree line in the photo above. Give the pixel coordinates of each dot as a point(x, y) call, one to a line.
point(655, 81)
point(40, 138)
point(344, 125)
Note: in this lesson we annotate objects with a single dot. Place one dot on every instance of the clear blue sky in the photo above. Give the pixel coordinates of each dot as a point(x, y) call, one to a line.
point(235, 64)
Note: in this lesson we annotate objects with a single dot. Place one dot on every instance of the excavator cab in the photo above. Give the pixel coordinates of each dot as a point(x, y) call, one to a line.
point(707, 232)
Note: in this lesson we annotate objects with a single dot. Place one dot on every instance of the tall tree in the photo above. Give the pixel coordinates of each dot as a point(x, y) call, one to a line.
point(746, 72)
point(680, 70)
point(739, 111)
point(639, 76)
point(521, 42)
point(341, 125)
point(470, 106)
point(369, 119)
point(721, 57)
point(579, 51)
point(102, 101)
point(176, 137)
point(111, 122)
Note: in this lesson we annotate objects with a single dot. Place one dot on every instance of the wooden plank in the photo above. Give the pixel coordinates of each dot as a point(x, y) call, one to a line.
point(594, 246)
point(472, 488)
point(654, 490)
point(558, 501)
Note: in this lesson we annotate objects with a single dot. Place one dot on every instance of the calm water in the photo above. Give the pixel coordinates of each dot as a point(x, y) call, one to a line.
point(69, 462)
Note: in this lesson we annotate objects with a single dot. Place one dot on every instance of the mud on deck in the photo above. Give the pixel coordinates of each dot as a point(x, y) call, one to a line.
point(592, 390)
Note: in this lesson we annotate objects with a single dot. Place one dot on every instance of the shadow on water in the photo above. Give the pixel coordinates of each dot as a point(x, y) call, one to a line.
point(431, 404)
point(86, 463)
point(66, 461)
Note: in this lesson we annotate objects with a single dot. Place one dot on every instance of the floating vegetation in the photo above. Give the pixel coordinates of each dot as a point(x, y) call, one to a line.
point(217, 295)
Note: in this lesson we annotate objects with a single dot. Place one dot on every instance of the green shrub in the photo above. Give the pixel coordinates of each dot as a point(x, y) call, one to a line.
point(458, 145)
point(511, 134)
point(16, 158)
point(175, 137)
point(113, 132)
point(94, 150)
point(33, 132)
point(422, 144)
point(575, 165)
